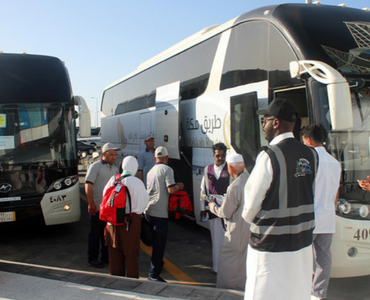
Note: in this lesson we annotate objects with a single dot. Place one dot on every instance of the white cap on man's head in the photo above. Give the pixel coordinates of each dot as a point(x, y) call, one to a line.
point(234, 158)
point(149, 136)
point(109, 146)
point(161, 152)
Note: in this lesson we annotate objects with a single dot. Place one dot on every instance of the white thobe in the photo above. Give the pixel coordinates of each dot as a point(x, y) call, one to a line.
point(232, 259)
point(273, 275)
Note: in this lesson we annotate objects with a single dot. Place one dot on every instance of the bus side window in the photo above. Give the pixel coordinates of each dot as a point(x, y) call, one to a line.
point(246, 57)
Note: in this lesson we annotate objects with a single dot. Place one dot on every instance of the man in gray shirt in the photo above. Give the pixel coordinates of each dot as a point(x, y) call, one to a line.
point(96, 178)
point(160, 184)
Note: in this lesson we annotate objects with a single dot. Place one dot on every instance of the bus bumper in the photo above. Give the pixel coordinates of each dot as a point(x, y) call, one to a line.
point(350, 248)
point(62, 206)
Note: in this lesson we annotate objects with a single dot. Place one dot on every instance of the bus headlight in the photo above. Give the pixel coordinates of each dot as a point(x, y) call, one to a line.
point(353, 209)
point(345, 207)
point(68, 182)
point(57, 185)
point(63, 183)
point(364, 211)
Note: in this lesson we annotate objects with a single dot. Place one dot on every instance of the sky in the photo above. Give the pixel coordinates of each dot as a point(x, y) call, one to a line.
point(101, 41)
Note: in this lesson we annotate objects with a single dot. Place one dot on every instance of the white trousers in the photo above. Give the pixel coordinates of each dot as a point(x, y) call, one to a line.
point(279, 275)
point(217, 236)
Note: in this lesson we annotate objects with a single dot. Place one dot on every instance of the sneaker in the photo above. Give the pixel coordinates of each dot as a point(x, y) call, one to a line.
point(158, 279)
point(96, 264)
point(315, 298)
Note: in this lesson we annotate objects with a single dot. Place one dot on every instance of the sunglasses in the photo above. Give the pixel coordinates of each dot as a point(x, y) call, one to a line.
point(264, 121)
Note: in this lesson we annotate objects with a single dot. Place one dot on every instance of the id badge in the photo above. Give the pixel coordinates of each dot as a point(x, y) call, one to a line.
point(118, 188)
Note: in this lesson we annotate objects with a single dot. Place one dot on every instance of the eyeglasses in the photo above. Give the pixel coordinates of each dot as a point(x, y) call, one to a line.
point(264, 121)
point(220, 155)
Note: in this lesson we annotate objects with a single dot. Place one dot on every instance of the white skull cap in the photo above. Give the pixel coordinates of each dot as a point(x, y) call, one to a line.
point(234, 158)
point(130, 165)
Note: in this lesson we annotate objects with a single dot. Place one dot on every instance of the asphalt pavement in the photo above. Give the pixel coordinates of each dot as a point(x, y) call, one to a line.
point(38, 262)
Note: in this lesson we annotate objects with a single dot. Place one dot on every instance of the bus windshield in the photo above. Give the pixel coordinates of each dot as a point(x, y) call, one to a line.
point(337, 36)
point(31, 133)
point(352, 147)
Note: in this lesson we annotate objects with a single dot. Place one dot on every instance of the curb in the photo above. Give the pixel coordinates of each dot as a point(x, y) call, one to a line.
point(142, 286)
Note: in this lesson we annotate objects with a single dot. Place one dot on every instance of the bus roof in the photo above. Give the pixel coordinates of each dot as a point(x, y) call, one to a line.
point(26, 78)
point(286, 17)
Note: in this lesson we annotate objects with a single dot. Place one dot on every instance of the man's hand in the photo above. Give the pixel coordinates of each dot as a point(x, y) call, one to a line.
point(213, 200)
point(91, 208)
point(180, 186)
point(365, 184)
point(175, 188)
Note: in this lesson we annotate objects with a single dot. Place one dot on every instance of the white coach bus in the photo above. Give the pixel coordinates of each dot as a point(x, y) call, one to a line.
point(207, 88)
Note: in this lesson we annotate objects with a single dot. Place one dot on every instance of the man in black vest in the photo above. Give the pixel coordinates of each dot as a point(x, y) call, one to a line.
point(215, 181)
point(278, 204)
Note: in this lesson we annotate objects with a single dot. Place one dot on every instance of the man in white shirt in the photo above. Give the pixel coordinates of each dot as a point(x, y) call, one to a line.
point(123, 241)
point(326, 196)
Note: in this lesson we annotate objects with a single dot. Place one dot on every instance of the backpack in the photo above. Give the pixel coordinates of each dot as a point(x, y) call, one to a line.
point(113, 206)
point(180, 204)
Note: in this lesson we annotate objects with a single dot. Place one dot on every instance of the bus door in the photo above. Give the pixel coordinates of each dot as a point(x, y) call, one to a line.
point(297, 96)
point(245, 138)
point(167, 121)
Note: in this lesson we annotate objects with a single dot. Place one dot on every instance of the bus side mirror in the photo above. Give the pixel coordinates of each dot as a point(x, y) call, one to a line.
point(340, 106)
point(339, 95)
point(84, 116)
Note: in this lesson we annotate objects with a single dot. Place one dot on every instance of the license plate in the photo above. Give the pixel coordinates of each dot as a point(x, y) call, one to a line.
point(7, 216)
point(10, 199)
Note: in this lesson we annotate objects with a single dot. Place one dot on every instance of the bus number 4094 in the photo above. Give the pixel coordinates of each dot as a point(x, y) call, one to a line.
point(363, 234)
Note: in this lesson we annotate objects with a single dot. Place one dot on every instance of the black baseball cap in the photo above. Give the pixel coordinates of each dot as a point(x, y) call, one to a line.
point(280, 109)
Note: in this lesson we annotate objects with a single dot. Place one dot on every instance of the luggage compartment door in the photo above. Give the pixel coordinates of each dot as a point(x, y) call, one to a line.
point(167, 121)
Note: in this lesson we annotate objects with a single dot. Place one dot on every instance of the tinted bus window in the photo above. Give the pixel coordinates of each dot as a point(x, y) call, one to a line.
point(191, 67)
point(246, 58)
point(195, 66)
point(280, 55)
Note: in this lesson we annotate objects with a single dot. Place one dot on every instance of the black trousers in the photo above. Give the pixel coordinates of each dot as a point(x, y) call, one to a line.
point(96, 242)
point(159, 245)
